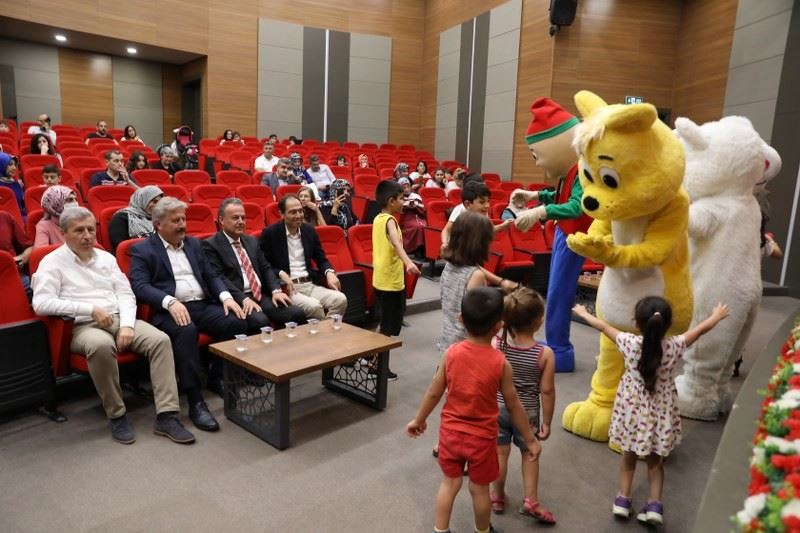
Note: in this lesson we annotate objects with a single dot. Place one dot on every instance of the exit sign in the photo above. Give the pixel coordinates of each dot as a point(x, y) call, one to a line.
point(634, 99)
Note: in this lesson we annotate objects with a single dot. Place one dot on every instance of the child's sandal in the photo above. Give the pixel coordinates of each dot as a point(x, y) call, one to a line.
point(498, 503)
point(532, 508)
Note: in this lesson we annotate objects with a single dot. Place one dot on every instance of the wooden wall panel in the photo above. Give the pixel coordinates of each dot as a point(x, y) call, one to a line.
point(171, 99)
point(87, 89)
point(704, 46)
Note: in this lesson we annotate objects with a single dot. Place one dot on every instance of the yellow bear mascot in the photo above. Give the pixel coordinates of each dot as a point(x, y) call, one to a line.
point(631, 168)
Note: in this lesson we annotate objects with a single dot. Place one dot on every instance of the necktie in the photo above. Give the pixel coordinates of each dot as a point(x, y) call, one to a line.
point(255, 285)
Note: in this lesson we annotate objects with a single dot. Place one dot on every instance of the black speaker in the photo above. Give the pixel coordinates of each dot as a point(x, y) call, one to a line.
point(562, 12)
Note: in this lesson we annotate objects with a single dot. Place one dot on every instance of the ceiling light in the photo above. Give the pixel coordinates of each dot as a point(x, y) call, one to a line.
point(132, 50)
point(61, 38)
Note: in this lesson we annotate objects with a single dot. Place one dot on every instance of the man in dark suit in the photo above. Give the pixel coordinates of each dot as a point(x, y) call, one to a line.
point(250, 279)
point(170, 273)
point(290, 245)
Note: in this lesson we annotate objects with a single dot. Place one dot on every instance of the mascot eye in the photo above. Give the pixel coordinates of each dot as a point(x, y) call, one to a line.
point(610, 177)
point(587, 175)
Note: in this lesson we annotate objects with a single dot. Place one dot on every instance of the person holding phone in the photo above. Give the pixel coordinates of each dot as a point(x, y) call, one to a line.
point(43, 126)
point(338, 211)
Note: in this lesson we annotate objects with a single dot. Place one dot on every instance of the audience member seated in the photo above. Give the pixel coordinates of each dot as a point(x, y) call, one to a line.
point(9, 177)
point(338, 211)
point(115, 172)
point(290, 246)
point(279, 175)
point(43, 127)
point(129, 134)
point(14, 241)
point(363, 161)
point(400, 171)
point(81, 282)
point(266, 162)
point(320, 175)
point(41, 143)
point(311, 211)
point(457, 182)
point(239, 261)
point(294, 140)
point(137, 161)
point(412, 220)
point(420, 175)
point(167, 160)
point(4, 128)
point(134, 221)
point(297, 167)
point(51, 175)
point(341, 161)
point(171, 274)
point(439, 180)
point(273, 138)
point(54, 200)
point(101, 132)
point(237, 137)
point(227, 136)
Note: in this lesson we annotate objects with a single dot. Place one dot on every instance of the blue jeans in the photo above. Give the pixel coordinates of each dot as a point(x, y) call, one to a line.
point(565, 267)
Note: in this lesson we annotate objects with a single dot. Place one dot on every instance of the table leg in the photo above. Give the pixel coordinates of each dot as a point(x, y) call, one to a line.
point(257, 404)
point(357, 382)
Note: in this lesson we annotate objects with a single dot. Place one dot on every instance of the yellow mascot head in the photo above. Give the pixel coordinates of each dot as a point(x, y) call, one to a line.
point(630, 163)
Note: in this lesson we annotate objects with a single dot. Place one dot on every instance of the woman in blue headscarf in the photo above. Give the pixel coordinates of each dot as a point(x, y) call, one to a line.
point(9, 177)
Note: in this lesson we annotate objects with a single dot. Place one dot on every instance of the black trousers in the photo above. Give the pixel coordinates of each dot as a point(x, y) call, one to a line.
point(270, 313)
point(208, 318)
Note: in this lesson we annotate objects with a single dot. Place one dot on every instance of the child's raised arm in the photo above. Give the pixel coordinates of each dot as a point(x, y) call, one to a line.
point(436, 389)
point(517, 412)
point(720, 312)
point(600, 325)
point(547, 390)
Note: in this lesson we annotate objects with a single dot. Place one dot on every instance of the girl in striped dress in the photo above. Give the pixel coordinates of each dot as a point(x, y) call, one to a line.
point(533, 365)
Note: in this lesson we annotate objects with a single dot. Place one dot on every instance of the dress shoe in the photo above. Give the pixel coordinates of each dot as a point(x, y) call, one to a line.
point(217, 386)
point(122, 431)
point(168, 425)
point(202, 418)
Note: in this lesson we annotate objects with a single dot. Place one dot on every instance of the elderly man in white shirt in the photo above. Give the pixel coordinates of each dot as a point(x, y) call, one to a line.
point(43, 127)
point(79, 281)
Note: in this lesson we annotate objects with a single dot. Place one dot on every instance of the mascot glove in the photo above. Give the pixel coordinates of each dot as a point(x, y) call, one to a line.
point(527, 219)
point(522, 194)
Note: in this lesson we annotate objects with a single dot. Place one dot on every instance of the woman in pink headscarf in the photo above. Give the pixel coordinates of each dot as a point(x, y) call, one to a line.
point(54, 200)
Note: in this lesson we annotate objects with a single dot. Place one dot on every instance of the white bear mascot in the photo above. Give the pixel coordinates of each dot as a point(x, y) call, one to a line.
point(724, 162)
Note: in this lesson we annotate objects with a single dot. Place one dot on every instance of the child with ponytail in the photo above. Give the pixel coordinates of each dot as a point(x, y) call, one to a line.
point(645, 421)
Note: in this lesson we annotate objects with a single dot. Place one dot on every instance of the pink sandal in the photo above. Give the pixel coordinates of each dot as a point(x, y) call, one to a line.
point(532, 508)
point(498, 503)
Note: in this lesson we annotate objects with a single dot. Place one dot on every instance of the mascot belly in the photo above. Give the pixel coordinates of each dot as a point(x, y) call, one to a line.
point(631, 167)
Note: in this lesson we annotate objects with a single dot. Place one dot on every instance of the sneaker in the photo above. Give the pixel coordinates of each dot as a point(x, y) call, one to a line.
point(391, 376)
point(169, 426)
point(652, 513)
point(622, 507)
point(122, 431)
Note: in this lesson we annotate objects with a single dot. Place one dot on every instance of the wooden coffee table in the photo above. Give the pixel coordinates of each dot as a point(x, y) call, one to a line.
point(257, 380)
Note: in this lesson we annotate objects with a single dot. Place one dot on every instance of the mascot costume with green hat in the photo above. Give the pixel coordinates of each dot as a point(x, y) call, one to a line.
point(549, 137)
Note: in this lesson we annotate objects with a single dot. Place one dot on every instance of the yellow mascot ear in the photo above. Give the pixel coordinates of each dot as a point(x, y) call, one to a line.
point(587, 102)
point(632, 118)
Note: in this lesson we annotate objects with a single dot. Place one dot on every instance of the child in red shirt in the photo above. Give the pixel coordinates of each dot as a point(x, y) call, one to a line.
point(472, 372)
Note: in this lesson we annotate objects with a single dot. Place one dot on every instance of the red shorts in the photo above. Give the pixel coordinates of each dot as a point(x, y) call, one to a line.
point(479, 454)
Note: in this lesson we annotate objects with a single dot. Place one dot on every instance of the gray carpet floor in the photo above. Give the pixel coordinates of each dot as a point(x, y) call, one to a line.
point(349, 469)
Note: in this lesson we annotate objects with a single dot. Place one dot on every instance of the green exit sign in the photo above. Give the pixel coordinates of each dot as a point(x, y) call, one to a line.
point(634, 99)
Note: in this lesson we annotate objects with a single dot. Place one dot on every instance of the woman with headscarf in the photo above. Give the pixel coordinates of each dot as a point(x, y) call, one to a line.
point(135, 220)
point(9, 177)
point(412, 220)
point(54, 200)
point(363, 161)
point(338, 211)
point(400, 171)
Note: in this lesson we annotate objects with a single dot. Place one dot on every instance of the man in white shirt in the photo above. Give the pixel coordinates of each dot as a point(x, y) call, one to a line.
point(170, 273)
point(43, 127)
point(84, 283)
point(320, 175)
point(266, 162)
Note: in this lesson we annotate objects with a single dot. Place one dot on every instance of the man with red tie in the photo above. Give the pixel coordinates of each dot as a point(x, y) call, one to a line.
point(239, 261)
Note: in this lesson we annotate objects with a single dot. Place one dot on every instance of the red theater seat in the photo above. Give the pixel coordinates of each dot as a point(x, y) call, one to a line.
point(352, 279)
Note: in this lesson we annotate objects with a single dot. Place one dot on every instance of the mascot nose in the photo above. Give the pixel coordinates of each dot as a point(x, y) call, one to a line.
point(590, 203)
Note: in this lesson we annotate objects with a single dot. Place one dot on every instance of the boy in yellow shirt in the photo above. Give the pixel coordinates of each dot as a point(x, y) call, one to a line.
point(389, 261)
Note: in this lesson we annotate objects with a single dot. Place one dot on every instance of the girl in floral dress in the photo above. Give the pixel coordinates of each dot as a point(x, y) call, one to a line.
point(645, 421)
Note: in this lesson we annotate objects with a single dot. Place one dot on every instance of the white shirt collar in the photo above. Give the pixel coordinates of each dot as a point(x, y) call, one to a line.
point(231, 239)
point(168, 245)
point(289, 235)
